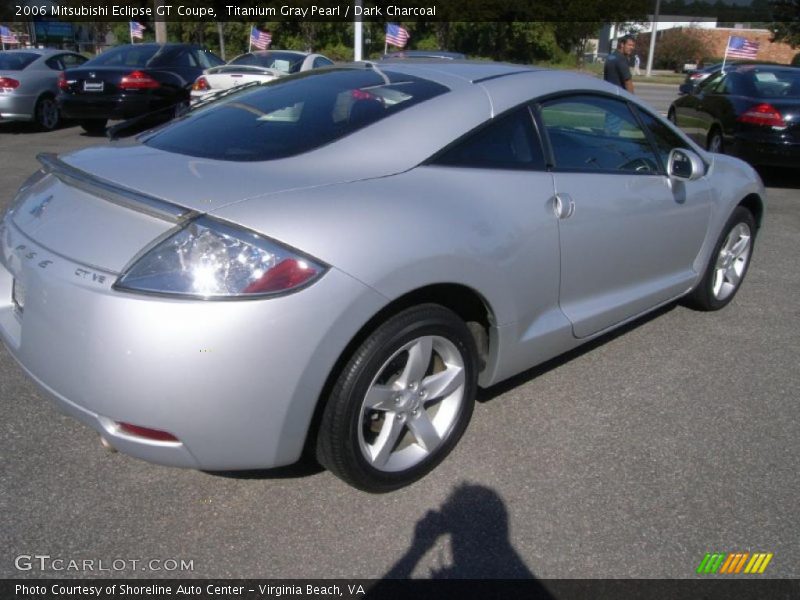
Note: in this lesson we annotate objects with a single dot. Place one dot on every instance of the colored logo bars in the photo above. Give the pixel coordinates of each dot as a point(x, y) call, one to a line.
point(733, 563)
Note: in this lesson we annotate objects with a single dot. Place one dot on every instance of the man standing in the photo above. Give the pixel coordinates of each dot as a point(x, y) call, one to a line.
point(617, 69)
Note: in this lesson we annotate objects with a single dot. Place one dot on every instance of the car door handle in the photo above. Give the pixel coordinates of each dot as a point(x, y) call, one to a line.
point(563, 206)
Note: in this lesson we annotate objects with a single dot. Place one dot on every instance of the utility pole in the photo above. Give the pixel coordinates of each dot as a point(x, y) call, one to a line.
point(221, 40)
point(653, 33)
point(358, 43)
point(161, 25)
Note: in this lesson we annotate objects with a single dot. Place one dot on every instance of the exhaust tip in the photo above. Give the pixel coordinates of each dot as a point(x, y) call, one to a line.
point(106, 444)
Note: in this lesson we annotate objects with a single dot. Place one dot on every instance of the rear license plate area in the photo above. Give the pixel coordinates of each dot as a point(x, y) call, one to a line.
point(93, 86)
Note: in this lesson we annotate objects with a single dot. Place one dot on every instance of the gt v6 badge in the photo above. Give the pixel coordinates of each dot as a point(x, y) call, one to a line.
point(38, 210)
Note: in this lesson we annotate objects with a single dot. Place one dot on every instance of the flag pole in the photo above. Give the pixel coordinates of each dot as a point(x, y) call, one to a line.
point(250, 43)
point(130, 31)
point(725, 57)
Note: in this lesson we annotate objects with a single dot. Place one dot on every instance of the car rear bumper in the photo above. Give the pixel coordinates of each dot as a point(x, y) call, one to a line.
point(235, 382)
point(120, 106)
point(16, 107)
point(759, 152)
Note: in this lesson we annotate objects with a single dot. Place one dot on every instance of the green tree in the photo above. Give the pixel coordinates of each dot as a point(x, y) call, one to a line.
point(786, 24)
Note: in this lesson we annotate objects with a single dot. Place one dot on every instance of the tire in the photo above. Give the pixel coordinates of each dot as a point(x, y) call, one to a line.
point(728, 264)
point(714, 142)
point(94, 126)
point(671, 117)
point(45, 114)
point(180, 109)
point(390, 420)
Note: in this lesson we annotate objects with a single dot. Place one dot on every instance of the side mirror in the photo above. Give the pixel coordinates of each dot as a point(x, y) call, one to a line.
point(685, 164)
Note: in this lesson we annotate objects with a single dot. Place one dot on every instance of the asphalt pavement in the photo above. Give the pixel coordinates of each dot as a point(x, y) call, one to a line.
point(629, 458)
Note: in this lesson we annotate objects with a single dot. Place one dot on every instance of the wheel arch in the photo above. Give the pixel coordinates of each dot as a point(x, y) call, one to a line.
point(755, 204)
point(464, 301)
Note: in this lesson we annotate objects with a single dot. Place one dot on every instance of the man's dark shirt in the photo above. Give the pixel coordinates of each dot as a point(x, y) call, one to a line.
point(616, 69)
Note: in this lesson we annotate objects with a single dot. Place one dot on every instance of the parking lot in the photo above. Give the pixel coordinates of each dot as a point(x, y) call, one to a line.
point(633, 456)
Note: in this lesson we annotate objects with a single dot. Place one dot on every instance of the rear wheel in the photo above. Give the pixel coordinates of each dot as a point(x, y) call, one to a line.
point(714, 142)
point(46, 114)
point(671, 116)
point(94, 126)
point(728, 265)
point(402, 401)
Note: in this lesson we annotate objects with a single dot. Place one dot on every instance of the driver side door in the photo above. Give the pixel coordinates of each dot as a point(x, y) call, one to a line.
point(628, 234)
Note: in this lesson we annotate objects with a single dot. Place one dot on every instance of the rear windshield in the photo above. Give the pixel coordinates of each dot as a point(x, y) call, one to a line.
point(16, 61)
point(293, 114)
point(286, 62)
point(124, 56)
point(776, 83)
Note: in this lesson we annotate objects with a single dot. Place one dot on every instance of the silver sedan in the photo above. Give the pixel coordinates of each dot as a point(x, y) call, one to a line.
point(29, 80)
point(337, 260)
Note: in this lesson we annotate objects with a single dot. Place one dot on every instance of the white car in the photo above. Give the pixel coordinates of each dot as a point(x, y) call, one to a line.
point(260, 66)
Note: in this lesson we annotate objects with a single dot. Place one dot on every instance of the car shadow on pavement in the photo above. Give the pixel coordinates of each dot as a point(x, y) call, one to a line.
point(26, 128)
point(475, 519)
point(485, 395)
point(305, 467)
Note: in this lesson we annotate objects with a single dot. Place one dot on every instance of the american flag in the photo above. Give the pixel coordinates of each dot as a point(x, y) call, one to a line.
point(396, 35)
point(739, 47)
point(137, 30)
point(260, 39)
point(8, 36)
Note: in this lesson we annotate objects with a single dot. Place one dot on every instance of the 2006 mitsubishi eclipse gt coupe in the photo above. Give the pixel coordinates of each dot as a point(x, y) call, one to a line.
point(337, 259)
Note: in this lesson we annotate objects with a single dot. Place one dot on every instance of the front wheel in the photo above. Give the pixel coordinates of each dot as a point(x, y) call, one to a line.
point(728, 265)
point(714, 142)
point(402, 401)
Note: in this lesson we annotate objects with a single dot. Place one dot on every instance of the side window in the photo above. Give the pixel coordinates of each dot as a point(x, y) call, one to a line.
point(596, 133)
point(184, 58)
point(72, 60)
point(707, 85)
point(321, 62)
point(55, 62)
point(207, 59)
point(666, 139)
point(510, 142)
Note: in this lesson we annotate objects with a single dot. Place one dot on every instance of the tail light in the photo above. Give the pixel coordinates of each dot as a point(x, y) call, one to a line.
point(138, 81)
point(145, 432)
point(763, 114)
point(201, 85)
point(7, 84)
point(62, 82)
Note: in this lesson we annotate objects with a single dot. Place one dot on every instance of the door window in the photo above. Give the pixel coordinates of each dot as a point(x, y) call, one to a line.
point(510, 142)
point(597, 133)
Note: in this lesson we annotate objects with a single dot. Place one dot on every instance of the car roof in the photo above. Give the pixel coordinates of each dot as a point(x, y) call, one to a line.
point(274, 50)
point(442, 71)
point(425, 54)
point(164, 45)
point(40, 51)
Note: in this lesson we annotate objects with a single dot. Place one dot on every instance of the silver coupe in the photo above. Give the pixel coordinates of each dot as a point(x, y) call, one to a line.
point(336, 260)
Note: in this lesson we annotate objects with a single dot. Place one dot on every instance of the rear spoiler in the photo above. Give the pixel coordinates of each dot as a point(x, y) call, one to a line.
point(113, 192)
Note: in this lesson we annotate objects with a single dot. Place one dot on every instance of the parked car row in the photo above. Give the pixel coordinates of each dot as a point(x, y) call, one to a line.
point(135, 80)
point(29, 84)
point(750, 110)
